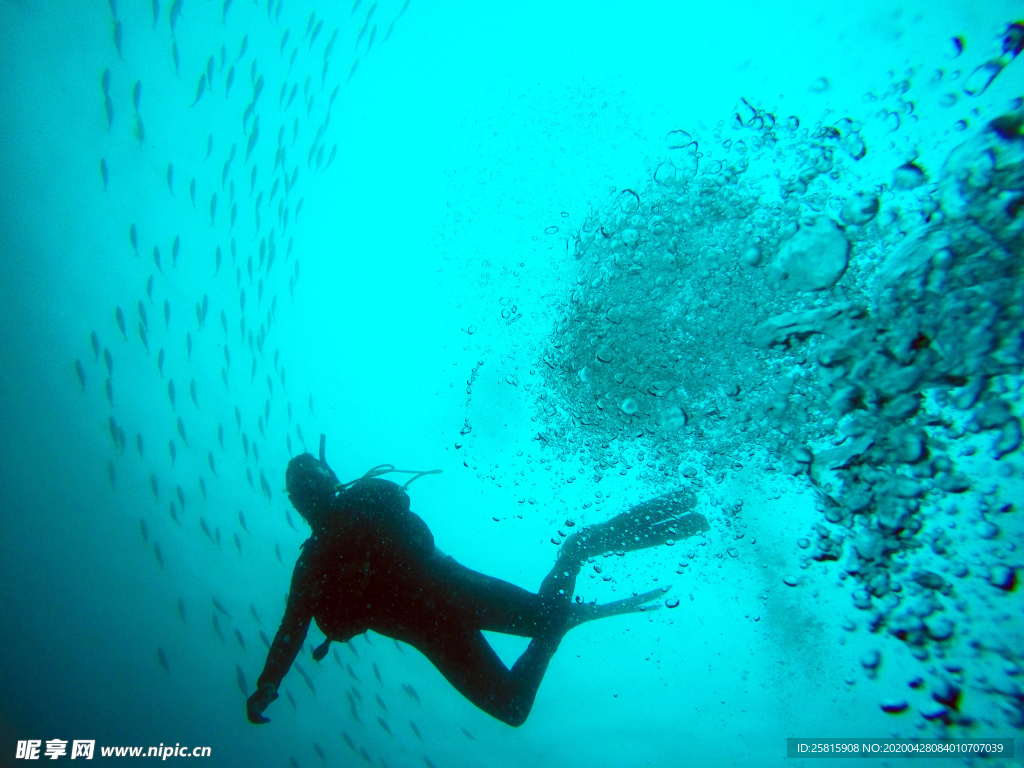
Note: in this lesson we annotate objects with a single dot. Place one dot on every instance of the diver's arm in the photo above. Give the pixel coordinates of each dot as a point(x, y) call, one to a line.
point(287, 642)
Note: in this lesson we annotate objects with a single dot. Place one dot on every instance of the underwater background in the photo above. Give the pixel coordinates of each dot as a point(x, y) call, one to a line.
point(574, 255)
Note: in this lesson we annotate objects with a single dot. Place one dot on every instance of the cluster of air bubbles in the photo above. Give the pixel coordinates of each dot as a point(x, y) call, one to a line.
point(761, 294)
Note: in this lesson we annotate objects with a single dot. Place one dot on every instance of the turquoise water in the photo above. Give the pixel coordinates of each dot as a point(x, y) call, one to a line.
point(572, 256)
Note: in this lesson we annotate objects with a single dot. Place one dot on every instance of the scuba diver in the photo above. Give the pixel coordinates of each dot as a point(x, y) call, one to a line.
point(371, 563)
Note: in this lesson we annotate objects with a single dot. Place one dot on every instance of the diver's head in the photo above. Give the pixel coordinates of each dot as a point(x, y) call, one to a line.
point(311, 486)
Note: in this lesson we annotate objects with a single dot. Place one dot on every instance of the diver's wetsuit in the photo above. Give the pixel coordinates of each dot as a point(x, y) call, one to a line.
point(373, 565)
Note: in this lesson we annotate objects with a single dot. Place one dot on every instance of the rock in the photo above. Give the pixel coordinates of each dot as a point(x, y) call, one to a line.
point(813, 259)
point(862, 599)
point(790, 580)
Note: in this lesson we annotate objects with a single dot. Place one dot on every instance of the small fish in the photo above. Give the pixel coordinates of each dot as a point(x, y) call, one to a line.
point(175, 56)
point(149, 289)
point(192, 191)
point(80, 370)
point(174, 513)
point(142, 314)
point(352, 648)
point(337, 658)
point(376, 672)
point(103, 173)
point(277, 551)
point(175, 248)
point(154, 486)
point(411, 691)
point(252, 610)
point(209, 459)
point(200, 89)
point(239, 638)
point(119, 315)
point(380, 702)
point(219, 606)
point(468, 735)
point(228, 81)
point(110, 474)
point(398, 645)
point(170, 392)
point(94, 339)
point(224, 11)
point(163, 660)
point(118, 35)
point(160, 361)
point(159, 555)
point(145, 531)
point(240, 679)
point(415, 730)
point(180, 493)
point(265, 639)
point(213, 208)
point(202, 489)
point(138, 444)
point(156, 12)
point(384, 725)
point(192, 391)
point(181, 431)
point(216, 628)
point(238, 543)
point(188, 345)
point(291, 700)
point(144, 337)
point(351, 672)
point(288, 517)
point(173, 452)
point(366, 755)
point(181, 609)
point(156, 258)
point(348, 740)
point(355, 692)
point(137, 94)
point(320, 751)
point(244, 47)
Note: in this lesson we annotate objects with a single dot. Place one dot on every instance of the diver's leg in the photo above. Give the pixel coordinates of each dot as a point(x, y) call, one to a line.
point(469, 663)
point(489, 603)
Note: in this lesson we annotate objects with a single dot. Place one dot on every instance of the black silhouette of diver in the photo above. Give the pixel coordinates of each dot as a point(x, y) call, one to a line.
point(371, 563)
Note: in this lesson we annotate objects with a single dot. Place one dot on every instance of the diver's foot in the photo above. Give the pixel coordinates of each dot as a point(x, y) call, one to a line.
point(645, 601)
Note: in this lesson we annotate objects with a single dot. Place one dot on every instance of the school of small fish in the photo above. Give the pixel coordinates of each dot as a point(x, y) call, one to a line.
point(276, 147)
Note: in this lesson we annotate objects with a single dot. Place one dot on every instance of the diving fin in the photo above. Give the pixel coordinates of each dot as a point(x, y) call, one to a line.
point(648, 524)
point(582, 613)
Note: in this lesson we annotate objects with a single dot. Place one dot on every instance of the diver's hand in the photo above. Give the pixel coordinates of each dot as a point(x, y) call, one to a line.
point(260, 701)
